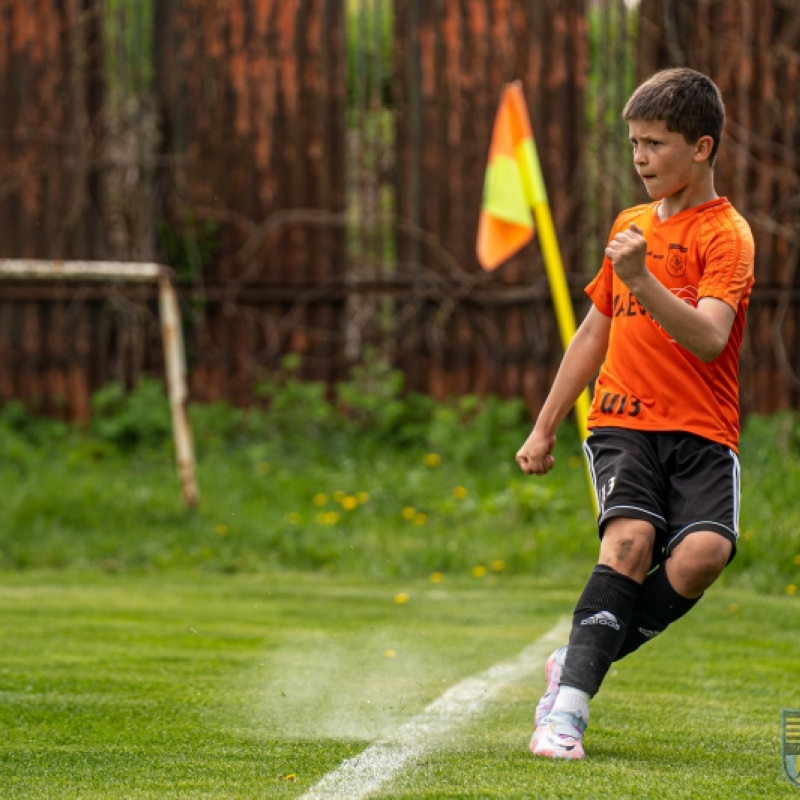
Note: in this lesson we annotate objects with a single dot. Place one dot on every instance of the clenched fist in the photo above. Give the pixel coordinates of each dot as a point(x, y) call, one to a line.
point(627, 251)
point(535, 456)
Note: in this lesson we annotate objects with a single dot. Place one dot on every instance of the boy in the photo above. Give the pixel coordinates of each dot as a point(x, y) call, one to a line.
point(664, 330)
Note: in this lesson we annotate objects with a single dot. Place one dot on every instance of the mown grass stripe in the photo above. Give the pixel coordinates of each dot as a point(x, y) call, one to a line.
point(359, 777)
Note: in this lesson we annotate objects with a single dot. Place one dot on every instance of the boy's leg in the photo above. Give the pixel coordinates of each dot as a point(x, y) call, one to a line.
point(674, 587)
point(626, 474)
point(606, 606)
point(658, 606)
point(599, 627)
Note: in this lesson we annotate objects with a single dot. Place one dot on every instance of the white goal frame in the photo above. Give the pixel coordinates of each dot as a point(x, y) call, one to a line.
point(171, 335)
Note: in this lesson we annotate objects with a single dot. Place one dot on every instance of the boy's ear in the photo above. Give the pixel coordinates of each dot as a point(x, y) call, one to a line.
point(703, 148)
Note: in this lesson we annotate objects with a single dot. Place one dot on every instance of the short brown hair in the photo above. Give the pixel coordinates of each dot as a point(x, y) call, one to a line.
point(687, 101)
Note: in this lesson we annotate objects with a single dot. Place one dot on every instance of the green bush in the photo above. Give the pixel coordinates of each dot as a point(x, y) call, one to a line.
point(131, 419)
point(367, 478)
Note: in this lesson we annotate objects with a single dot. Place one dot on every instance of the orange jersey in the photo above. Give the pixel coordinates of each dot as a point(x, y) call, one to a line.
point(648, 381)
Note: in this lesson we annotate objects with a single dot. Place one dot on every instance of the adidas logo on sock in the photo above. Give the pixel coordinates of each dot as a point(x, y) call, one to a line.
point(602, 618)
point(649, 634)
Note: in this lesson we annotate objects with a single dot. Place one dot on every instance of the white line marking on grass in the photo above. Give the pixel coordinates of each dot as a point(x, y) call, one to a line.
point(357, 778)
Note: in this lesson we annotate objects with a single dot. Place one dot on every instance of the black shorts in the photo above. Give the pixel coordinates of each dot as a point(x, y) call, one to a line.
point(677, 481)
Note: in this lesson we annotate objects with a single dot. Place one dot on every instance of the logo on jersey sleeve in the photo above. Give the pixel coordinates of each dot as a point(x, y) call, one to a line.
point(676, 260)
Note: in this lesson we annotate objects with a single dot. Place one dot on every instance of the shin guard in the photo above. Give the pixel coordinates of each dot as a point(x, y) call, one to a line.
point(599, 627)
point(658, 606)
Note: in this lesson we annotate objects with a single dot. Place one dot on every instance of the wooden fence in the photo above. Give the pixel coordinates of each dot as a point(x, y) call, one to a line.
point(312, 171)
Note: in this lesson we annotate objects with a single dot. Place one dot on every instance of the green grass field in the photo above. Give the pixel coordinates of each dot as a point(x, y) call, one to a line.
point(346, 572)
point(255, 686)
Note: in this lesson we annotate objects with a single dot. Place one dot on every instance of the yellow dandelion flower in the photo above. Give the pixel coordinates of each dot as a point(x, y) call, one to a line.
point(433, 459)
point(290, 777)
point(389, 653)
point(349, 502)
point(437, 577)
point(331, 517)
point(222, 529)
point(459, 493)
point(420, 519)
point(575, 462)
point(748, 536)
point(791, 589)
point(479, 571)
point(362, 497)
point(401, 598)
point(409, 512)
point(733, 608)
point(263, 468)
point(797, 560)
point(294, 518)
point(320, 500)
point(338, 496)
point(498, 565)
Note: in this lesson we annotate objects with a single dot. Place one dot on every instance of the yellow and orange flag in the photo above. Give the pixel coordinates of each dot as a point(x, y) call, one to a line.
point(514, 195)
point(510, 187)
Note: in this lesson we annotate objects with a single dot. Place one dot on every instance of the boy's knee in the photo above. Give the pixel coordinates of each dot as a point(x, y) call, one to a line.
point(627, 547)
point(698, 561)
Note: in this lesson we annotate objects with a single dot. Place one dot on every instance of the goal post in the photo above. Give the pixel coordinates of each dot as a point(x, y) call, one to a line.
point(171, 335)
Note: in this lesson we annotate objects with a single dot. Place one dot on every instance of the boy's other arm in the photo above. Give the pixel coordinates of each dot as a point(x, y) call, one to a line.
point(703, 330)
point(582, 359)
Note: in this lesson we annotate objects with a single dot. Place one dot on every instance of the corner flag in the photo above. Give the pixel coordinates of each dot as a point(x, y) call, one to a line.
point(506, 223)
point(514, 195)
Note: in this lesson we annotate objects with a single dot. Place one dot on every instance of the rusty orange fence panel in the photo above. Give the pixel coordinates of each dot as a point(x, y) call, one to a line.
point(312, 170)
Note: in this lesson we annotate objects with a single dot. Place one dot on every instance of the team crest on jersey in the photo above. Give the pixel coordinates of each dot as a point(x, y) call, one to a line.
point(790, 743)
point(676, 260)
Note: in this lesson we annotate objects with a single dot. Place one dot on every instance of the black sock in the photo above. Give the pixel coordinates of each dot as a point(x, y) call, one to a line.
point(658, 606)
point(599, 627)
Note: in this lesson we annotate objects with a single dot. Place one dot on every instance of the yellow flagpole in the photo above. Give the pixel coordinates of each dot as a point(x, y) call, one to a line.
point(559, 289)
point(555, 275)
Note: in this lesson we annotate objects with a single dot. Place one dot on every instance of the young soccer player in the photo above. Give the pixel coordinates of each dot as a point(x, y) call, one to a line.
point(664, 330)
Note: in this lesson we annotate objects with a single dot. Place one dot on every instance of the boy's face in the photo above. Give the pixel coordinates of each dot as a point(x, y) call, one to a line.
point(665, 161)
